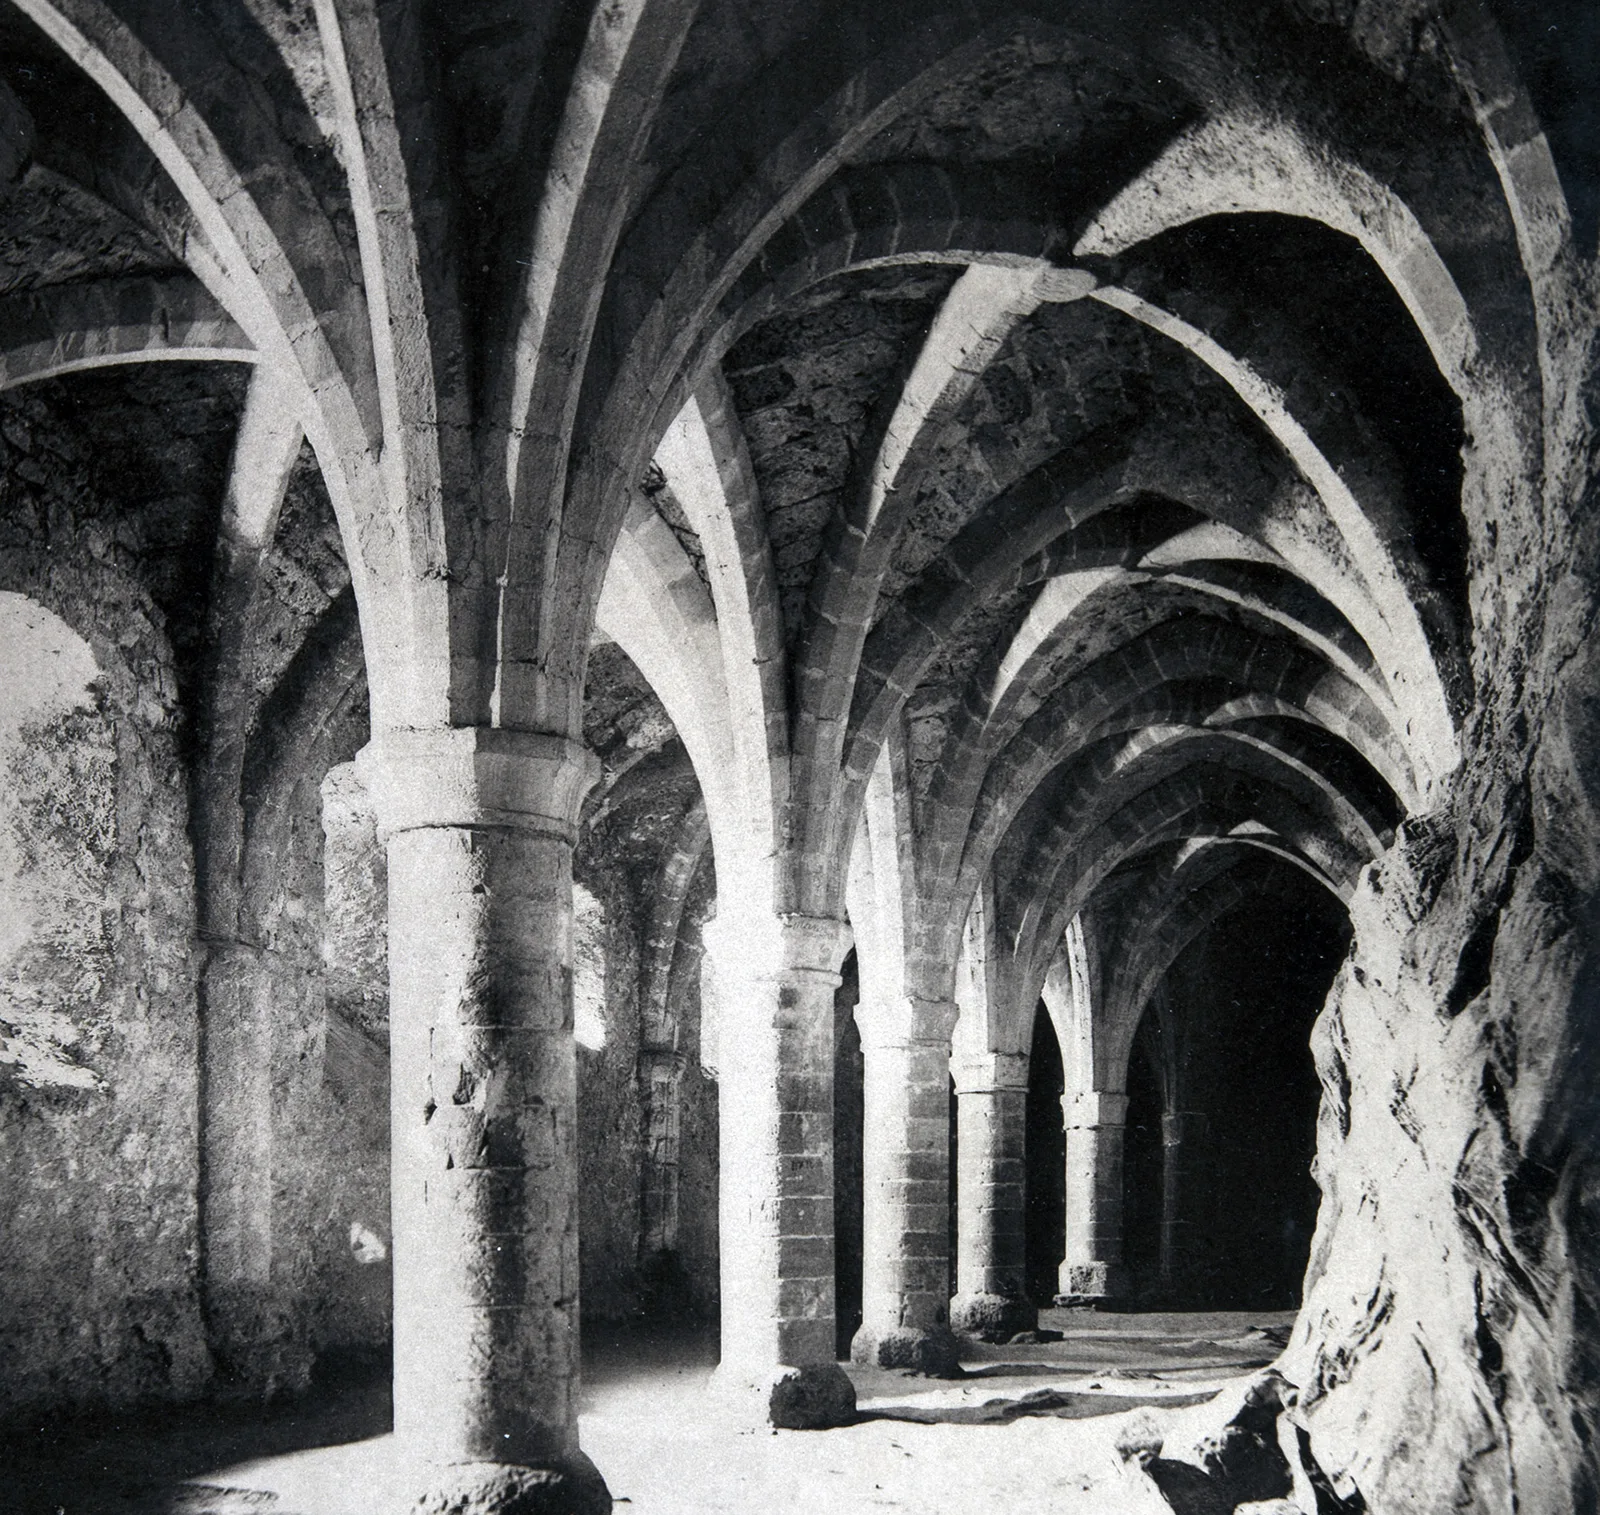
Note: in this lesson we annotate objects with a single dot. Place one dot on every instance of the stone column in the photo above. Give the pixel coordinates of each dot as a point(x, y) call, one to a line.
point(1181, 1133)
point(905, 1282)
point(479, 827)
point(775, 979)
point(660, 1078)
point(1092, 1269)
point(236, 1174)
point(991, 1301)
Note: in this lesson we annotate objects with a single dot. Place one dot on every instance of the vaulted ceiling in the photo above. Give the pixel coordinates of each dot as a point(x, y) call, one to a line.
point(1098, 394)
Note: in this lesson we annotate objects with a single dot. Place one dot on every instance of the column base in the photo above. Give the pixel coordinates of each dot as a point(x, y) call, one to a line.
point(572, 1487)
point(935, 1353)
point(813, 1398)
point(1092, 1283)
point(992, 1317)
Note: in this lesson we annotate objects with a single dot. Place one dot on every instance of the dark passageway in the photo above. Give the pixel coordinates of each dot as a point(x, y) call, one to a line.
point(1046, 1159)
point(1227, 1092)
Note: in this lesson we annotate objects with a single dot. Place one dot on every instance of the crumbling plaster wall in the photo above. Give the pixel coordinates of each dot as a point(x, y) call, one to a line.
point(329, 1096)
point(628, 846)
point(98, 1173)
point(698, 1253)
point(610, 1135)
point(109, 488)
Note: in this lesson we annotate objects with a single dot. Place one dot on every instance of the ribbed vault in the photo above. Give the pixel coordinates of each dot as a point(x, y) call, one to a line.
point(998, 482)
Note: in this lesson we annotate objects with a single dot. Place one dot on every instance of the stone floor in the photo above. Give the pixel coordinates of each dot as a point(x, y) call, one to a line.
point(1027, 1428)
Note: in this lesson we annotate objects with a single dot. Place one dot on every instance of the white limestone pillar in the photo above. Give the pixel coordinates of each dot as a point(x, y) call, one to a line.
point(1182, 1133)
point(479, 827)
point(1092, 1269)
point(905, 1282)
point(775, 978)
point(991, 1301)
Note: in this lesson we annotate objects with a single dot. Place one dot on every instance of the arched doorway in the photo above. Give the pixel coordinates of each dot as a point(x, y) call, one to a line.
point(1223, 1099)
point(1045, 1175)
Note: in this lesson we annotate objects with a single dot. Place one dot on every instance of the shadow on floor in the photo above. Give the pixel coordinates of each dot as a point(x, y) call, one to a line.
point(132, 1465)
point(1061, 1404)
point(137, 1466)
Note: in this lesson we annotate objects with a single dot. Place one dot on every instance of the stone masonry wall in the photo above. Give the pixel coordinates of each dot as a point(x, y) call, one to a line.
point(611, 1119)
point(98, 1117)
point(329, 1101)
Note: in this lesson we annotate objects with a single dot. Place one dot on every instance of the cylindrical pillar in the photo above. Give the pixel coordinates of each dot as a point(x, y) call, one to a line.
point(660, 1079)
point(1181, 1133)
point(905, 1280)
point(1092, 1270)
point(991, 1301)
point(775, 978)
point(237, 1172)
point(479, 827)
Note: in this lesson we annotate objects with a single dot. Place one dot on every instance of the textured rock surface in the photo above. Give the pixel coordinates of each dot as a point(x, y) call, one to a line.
point(1446, 1353)
point(98, 1117)
point(810, 1399)
point(492, 1489)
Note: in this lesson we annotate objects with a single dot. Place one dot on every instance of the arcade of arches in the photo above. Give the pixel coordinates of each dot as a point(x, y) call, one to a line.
point(845, 668)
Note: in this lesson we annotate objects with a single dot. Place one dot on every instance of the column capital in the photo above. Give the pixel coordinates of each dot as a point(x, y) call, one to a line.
point(344, 796)
point(667, 1061)
point(1097, 1107)
point(1178, 1125)
point(764, 944)
point(476, 776)
point(989, 1072)
point(906, 1020)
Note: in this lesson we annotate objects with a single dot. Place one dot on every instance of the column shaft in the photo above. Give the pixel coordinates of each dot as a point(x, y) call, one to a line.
point(991, 1300)
point(905, 1293)
point(479, 829)
point(1092, 1268)
point(775, 981)
point(483, 1105)
point(1181, 1131)
point(236, 1189)
point(661, 1080)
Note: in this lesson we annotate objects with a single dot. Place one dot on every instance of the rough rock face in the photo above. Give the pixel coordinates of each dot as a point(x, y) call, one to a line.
point(1237, 1455)
point(1455, 1156)
point(1446, 1353)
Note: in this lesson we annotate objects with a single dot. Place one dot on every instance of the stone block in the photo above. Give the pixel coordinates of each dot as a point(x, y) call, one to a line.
point(992, 1317)
point(1091, 1282)
point(572, 1487)
point(811, 1398)
point(933, 1353)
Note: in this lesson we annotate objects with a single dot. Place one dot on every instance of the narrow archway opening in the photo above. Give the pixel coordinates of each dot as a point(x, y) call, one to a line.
point(1223, 1110)
point(1141, 1174)
point(648, 1043)
point(1045, 1194)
